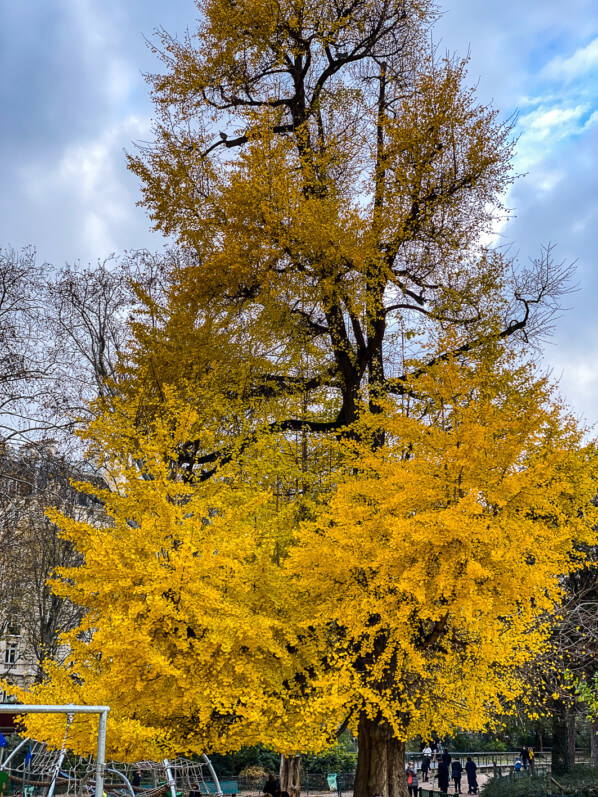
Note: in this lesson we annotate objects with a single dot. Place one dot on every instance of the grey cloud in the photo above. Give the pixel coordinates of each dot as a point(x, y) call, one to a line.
point(74, 72)
point(566, 215)
point(73, 96)
point(511, 40)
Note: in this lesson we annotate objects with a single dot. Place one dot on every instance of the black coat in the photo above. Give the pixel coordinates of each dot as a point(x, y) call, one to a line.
point(272, 786)
point(456, 769)
point(443, 776)
point(470, 768)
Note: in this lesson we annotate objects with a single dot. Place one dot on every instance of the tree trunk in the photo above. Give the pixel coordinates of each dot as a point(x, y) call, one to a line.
point(571, 735)
point(594, 742)
point(380, 761)
point(560, 747)
point(290, 775)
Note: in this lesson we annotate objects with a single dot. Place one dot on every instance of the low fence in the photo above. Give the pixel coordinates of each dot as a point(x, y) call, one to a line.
point(485, 759)
point(492, 763)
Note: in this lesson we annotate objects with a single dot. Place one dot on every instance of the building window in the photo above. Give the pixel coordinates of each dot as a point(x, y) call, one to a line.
point(13, 627)
point(10, 654)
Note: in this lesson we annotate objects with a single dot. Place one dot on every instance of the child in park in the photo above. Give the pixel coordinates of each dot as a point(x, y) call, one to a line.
point(518, 764)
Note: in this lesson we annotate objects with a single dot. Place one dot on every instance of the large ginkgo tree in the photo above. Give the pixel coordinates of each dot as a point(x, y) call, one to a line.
point(339, 495)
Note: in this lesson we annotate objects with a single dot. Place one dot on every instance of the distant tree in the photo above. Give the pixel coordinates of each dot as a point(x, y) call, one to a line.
point(26, 371)
point(31, 548)
point(89, 315)
point(570, 664)
point(60, 336)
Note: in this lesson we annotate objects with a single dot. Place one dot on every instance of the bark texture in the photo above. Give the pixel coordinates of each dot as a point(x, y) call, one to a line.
point(594, 743)
point(290, 774)
point(380, 761)
point(560, 741)
point(571, 735)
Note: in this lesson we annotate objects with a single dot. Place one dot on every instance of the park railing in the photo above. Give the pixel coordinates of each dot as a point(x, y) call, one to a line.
point(484, 759)
point(499, 764)
point(490, 764)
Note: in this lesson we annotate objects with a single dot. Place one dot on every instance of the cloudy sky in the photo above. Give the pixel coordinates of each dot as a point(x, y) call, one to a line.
point(72, 97)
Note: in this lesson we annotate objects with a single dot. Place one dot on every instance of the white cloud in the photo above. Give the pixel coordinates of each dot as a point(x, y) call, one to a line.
point(544, 131)
point(93, 195)
point(582, 61)
point(592, 120)
point(577, 376)
point(554, 122)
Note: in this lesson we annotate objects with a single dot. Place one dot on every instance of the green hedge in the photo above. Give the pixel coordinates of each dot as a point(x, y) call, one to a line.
point(582, 781)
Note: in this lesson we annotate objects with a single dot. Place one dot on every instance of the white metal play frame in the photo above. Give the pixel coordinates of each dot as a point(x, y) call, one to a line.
point(15, 708)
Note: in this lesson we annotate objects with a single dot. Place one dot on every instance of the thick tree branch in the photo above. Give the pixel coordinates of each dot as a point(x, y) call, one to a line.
point(276, 384)
point(188, 458)
point(434, 634)
point(397, 385)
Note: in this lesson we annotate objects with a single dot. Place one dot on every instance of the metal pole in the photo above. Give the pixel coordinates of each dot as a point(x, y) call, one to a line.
point(16, 750)
point(101, 756)
point(56, 773)
point(17, 708)
point(169, 778)
point(213, 774)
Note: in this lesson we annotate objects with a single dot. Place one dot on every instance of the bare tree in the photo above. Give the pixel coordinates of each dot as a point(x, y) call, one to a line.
point(569, 658)
point(31, 615)
point(62, 336)
point(26, 371)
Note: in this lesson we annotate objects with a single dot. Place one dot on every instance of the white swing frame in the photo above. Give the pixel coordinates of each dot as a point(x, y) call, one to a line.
point(16, 708)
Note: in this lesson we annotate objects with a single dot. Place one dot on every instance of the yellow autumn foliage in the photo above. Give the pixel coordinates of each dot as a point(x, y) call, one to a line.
point(430, 569)
point(335, 495)
point(406, 590)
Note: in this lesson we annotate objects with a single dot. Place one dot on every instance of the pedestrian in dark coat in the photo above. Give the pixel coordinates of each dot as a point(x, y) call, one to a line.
point(446, 757)
point(456, 771)
point(425, 767)
point(272, 786)
point(472, 780)
point(443, 777)
point(525, 756)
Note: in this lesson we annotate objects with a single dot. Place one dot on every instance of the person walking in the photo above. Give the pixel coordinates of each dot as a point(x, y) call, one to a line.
point(456, 772)
point(411, 777)
point(446, 757)
point(443, 777)
point(530, 752)
point(525, 757)
point(472, 780)
point(426, 757)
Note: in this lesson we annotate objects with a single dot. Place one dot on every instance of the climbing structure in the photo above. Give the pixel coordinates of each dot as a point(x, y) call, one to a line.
point(36, 770)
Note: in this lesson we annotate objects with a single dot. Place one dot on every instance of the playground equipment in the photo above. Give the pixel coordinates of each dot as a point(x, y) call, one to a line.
point(70, 711)
point(40, 771)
